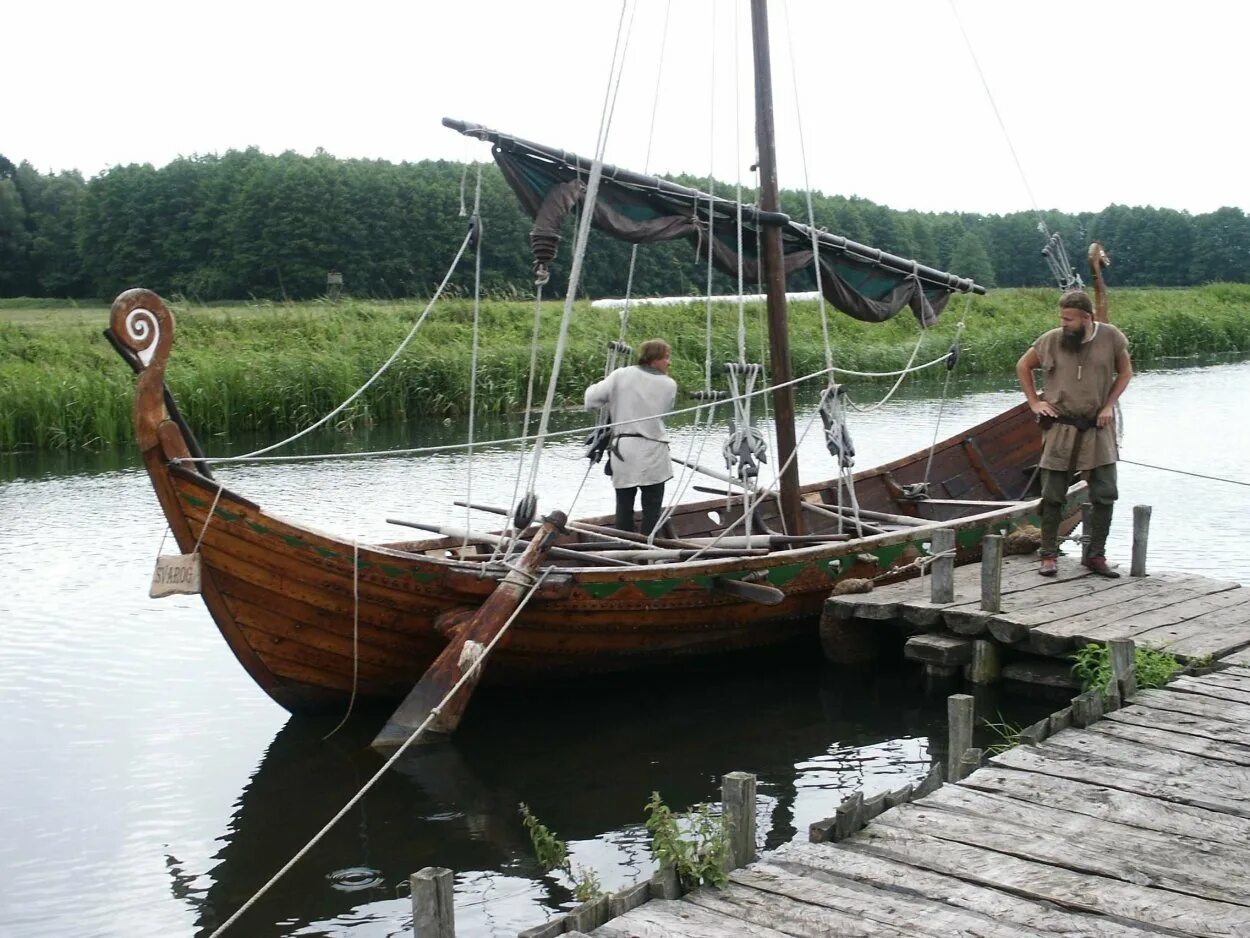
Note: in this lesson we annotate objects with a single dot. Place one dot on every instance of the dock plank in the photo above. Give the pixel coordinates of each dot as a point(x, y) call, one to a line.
point(1111, 804)
point(1241, 658)
point(1060, 838)
point(1172, 741)
point(1181, 914)
point(871, 904)
point(677, 918)
point(1213, 689)
point(1226, 710)
point(1143, 715)
point(796, 911)
point(824, 861)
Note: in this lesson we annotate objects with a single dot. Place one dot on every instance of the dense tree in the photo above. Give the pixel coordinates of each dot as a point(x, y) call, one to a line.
point(249, 224)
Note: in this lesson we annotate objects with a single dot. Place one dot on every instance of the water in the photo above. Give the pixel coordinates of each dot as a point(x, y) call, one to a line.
point(149, 788)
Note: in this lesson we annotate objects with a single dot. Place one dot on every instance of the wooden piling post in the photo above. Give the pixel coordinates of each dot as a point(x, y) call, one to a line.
point(942, 570)
point(992, 573)
point(1124, 665)
point(1087, 512)
point(969, 762)
point(433, 905)
point(959, 717)
point(738, 797)
point(984, 668)
point(1141, 535)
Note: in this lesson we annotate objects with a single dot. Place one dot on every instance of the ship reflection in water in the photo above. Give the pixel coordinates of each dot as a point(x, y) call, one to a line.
point(585, 758)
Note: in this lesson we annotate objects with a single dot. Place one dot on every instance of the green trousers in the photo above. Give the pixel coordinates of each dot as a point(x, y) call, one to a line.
point(1102, 493)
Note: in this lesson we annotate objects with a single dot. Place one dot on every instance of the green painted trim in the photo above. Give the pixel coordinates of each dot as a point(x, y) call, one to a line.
point(780, 576)
point(259, 528)
point(654, 589)
point(601, 590)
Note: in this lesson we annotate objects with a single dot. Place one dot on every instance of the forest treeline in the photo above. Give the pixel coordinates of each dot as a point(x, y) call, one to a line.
point(247, 223)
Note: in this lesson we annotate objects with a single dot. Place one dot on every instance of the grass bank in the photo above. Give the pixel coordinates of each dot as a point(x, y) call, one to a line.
point(274, 368)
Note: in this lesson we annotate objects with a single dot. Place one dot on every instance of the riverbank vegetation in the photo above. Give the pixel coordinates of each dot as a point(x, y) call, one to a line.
point(274, 368)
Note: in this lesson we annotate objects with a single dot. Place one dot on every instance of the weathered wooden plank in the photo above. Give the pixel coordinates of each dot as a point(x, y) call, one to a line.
point(937, 648)
point(1145, 611)
point(1092, 595)
point(1110, 804)
point(662, 918)
point(1176, 912)
point(1211, 783)
point(1175, 742)
point(1144, 715)
point(984, 667)
point(824, 862)
point(1061, 838)
point(1228, 677)
point(1226, 710)
point(1210, 689)
point(1241, 658)
point(1056, 761)
point(861, 903)
point(803, 915)
point(1042, 672)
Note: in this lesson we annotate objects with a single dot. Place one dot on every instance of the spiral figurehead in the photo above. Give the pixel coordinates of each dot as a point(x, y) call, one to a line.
point(142, 323)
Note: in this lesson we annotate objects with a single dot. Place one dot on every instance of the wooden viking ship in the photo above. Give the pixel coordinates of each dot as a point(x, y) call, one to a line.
point(284, 596)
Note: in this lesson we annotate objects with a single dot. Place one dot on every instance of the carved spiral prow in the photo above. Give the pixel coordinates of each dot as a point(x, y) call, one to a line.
point(1098, 259)
point(142, 327)
point(142, 323)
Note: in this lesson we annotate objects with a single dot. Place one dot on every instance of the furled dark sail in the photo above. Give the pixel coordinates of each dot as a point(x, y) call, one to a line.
point(863, 282)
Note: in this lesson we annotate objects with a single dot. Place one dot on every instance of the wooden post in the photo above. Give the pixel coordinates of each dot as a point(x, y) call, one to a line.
point(969, 762)
point(992, 573)
point(959, 717)
point(942, 571)
point(984, 668)
point(1087, 511)
point(1141, 536)
point(433, 907)
point(738, 797)
point(1124, 665)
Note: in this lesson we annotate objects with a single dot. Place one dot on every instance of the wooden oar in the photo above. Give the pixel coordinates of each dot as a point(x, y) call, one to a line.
point(464, 651)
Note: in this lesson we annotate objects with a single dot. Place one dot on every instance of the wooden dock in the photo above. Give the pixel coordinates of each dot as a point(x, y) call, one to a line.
point(1137, 824)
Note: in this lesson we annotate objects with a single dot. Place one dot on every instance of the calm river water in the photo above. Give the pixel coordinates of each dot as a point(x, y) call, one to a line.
point(149, 788)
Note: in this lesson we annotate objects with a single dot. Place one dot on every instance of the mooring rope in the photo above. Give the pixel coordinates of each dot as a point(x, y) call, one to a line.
point(1185, 472)
point(477, 321)
point(474, 666)
point(351, 701)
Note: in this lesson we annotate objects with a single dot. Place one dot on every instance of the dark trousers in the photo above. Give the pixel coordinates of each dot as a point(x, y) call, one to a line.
point(652, 505)
point(1102, 493)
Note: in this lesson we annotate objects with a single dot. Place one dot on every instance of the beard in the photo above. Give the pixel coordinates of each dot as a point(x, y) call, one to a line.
point(1072, 338)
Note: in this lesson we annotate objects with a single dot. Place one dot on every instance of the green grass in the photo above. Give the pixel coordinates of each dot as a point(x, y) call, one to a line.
point(273, 367)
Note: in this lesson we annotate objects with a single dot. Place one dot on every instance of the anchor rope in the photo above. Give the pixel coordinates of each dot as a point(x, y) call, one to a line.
point(470, 672)
point(1184, 472)
point(445, 447)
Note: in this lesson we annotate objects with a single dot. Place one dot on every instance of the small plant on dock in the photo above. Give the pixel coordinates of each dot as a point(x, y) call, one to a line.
point(1008, 735)
point(1093, 667)
point(698, 854)
point(553, 854)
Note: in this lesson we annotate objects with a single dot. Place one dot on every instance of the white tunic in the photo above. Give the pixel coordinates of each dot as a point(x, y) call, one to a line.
point(634, 397)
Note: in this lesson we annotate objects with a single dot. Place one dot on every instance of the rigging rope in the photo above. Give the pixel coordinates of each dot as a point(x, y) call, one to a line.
point(385, 365)
point(469, 673)
point(476, 225)
point(445, 447)
point(351, 702)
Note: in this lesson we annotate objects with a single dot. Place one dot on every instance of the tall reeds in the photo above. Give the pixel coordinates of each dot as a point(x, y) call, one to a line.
point(274, 368)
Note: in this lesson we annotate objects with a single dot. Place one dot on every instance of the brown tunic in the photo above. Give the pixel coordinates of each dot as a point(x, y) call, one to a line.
point(1077, 384)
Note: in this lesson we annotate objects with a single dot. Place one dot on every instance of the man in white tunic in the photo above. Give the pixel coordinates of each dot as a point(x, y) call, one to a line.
point(636, 397)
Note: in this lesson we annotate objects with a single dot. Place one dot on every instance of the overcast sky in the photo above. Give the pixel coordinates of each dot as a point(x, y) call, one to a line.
point(1128, 101)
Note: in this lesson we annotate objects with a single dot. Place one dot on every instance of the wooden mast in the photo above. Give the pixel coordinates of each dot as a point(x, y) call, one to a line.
point(774, 274)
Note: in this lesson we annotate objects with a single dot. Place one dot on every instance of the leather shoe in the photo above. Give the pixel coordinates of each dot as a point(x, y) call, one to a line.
point(1049, 566)
point(1099, 566)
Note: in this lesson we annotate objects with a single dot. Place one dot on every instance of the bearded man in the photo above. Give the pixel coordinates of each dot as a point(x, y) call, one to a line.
point(1086, 367)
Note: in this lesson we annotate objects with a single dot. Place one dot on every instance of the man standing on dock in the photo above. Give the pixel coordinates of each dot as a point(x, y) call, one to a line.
point(638, 458)
point(1086, 367)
